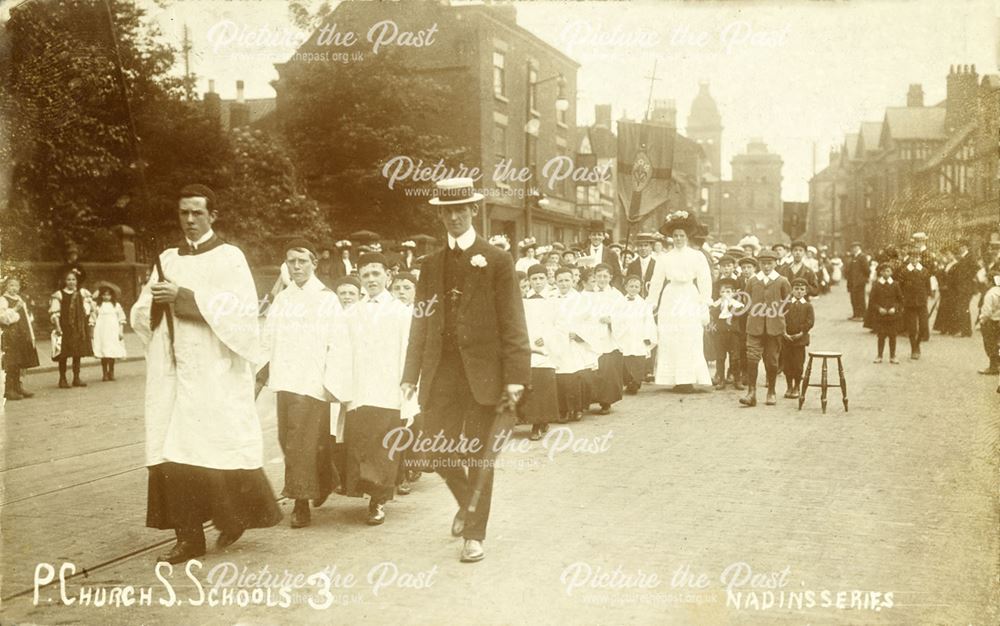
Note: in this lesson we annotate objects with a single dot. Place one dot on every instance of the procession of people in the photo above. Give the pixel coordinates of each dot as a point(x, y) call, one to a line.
point(462, 344)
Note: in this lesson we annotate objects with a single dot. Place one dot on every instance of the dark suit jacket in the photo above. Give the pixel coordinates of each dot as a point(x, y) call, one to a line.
point(635, 269)
point(916, 287)
point(858, 271)
point(492, 334)
point(804, 272)
point(765, 306)
point(799, 318)
point(965, 271)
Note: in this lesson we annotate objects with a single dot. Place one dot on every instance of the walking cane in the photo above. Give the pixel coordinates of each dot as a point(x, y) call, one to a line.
point(506, 405)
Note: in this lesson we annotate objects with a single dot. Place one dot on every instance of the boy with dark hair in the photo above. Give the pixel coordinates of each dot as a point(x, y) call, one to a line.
point(799, 320)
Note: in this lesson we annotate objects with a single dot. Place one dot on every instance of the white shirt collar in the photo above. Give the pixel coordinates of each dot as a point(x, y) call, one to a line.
point(208, 235)
point(910, 266)
point(768, 277)
point(313, 284)
point(463, 241)
point(885, 281)
point(799, 300)
point(383, 297)
point(599, 248)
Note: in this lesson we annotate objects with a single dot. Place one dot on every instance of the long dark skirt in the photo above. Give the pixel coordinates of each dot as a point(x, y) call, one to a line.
point(369, 468)
point(568, 389)
point(541, 403)
point(19, 351)
point(304, 435)
point(186, 496)
point(604, 385)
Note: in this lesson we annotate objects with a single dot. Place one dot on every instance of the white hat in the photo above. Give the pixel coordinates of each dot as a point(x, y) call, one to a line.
point(455, 191)
point(500, 241)
point(408, 244)
point(750, 240)
point(921, 236)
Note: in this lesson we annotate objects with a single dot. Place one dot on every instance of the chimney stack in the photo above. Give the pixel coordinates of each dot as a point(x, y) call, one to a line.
point(212, 104)
point(239, 111)
point(602, 115)
point(960, 103)
point(915, 96)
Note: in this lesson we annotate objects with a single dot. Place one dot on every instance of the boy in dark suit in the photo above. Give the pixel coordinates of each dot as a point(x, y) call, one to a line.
point(768, 292)
point(857, 278)
point(799, 320)
point(725, 315)
point(468, 353)
point(748, 267)
point(915, 284)
point(797, 269)
point(885, 309)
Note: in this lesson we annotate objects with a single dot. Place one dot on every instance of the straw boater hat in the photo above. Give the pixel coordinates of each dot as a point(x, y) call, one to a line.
point(646, 238)
point(408, 245)
point(527, 242)
point(454, 191)
point(343, 243)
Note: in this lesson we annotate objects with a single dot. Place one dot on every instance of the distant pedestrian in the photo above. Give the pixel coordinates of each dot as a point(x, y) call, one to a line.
point(915, 283)
point(70, 311)
point(989, 323)
point(108, 322)
point(857, 280)
point(19, 352)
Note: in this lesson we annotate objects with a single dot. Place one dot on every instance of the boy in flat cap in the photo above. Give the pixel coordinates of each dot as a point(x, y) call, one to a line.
point(765, 325)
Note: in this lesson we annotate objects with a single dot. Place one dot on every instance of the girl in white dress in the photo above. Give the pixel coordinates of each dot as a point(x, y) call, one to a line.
point(681, 291)
point(108, 320)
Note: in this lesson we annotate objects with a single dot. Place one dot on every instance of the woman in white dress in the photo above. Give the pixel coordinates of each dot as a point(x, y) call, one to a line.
point(680, 292)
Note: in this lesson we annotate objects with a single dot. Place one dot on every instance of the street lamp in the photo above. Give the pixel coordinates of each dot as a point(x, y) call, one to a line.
point(532, 126)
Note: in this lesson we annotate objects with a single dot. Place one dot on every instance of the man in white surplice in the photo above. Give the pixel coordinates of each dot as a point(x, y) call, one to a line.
point(203, 439)
point(307, 350)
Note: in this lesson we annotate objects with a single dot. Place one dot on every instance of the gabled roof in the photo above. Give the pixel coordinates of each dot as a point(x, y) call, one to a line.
point(904, 123)
point(850, 146)
point(603, 142)
point(868, 136)
point(950, 147)
point(992, 81)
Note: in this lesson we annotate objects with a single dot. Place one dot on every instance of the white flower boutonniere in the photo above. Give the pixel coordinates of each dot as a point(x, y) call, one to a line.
point(478, 261)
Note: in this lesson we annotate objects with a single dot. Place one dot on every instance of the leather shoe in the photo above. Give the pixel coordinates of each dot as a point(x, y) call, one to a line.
point(227, 538)
point(986, 372)
point(770, 400)
point(318, 502)
point(458, 524)
point(79, 383)
point(301, 517)
point(749, 400)
point(181, 552)
point(376, 514)
point(472, 551)
point(404, 488)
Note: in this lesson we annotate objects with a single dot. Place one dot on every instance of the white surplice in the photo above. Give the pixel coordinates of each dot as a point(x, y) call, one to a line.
point(379, 329)
point(572, 316)
point(306, 343)
point(604, 304)
point(540, 318)
point(200, 391)
point(633, 325)
point(681, 288)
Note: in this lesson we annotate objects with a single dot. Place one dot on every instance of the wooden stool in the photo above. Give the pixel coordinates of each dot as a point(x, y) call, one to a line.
point(823, 378)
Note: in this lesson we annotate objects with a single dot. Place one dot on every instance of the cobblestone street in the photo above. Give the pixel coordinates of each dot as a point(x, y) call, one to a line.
point(898, 496)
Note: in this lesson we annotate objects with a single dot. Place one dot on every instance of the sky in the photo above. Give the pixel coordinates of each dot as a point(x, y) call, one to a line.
point(799, 74)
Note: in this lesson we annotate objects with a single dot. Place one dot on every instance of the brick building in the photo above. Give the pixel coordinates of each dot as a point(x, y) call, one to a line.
point(930, 168)
point(505, 83)
point(751, 201)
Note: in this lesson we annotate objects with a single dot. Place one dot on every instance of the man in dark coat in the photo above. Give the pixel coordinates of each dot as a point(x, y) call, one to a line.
point(965, 285)
point(858, 270)
point(645, 263)
point(467, 352)
point(603, 253)
point(915, 283)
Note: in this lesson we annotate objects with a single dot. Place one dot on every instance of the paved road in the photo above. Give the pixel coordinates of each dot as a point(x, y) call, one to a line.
point(672, 493)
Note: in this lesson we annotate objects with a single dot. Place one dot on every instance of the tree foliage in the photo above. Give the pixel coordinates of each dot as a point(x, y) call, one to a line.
point(346, 120)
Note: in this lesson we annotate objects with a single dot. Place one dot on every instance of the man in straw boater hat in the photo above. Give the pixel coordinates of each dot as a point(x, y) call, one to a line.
point(468, 355)
point(204, 448)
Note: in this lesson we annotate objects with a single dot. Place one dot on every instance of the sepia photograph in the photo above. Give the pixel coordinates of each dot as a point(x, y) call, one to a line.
point(500, 312)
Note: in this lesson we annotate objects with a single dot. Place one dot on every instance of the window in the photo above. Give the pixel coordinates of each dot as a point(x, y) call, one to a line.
point(499, 74)
point(532, 89)
point(561, 116)
point(499, 142)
